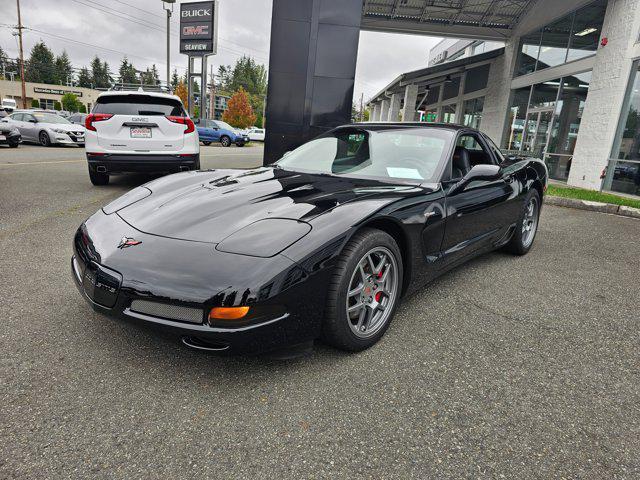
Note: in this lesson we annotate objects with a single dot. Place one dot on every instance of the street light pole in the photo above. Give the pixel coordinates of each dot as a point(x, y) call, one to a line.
point(24, 88)
point(168, 6)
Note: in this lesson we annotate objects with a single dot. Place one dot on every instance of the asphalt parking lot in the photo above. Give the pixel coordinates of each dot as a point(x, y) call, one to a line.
point(505, 368)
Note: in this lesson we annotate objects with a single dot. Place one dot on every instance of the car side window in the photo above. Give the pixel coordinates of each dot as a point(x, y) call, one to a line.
point(17, 117)
point(478, 152)
point(496, 151)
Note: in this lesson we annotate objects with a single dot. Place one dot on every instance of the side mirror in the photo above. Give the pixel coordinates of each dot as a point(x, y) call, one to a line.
point(33, 120)
point(478, 172)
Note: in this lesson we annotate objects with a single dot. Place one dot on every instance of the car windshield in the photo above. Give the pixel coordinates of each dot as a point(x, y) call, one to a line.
point(224, 125)
point(408, 154)
point(44, 117)
point(138, 105)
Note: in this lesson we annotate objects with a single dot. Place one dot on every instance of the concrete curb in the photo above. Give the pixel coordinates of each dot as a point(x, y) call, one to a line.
point(593, 206)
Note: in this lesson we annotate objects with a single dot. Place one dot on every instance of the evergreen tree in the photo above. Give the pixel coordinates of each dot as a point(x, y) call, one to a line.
point(64, 69)
point(4, 63)
point(127, 72)
point(150, 76)
point(175, 79)
point(40, 67)
point(84, 79)
point(100, 73)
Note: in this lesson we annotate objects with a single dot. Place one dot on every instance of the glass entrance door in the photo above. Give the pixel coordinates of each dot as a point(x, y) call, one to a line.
point(537, 127)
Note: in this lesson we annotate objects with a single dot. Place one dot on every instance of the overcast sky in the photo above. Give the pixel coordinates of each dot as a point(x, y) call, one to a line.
point(136, 28)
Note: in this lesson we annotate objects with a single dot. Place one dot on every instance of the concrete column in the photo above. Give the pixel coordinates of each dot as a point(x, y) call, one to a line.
point(375, 112)
point(410, 99)
point(498, 97)
point(384, 110)
point(607, 89)
point(394, 108)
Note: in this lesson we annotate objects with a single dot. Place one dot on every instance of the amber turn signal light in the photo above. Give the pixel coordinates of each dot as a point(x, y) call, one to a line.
point(228, 313)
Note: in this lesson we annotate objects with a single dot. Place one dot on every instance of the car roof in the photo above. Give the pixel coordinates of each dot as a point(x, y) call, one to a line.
point(143, 93)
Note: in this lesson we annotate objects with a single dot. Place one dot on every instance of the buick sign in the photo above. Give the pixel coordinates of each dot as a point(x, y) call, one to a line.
point(198, 32)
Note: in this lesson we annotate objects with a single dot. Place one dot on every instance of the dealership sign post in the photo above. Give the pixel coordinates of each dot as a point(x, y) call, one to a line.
point(198, 39)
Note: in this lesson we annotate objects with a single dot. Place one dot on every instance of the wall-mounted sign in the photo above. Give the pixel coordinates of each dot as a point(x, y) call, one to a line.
point(56, 91)
point(199, 28)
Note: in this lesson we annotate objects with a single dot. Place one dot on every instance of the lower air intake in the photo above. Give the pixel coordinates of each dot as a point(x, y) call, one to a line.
point(170, 312)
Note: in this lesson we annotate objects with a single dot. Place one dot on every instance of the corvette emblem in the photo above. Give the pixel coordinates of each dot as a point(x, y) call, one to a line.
point(126, 242)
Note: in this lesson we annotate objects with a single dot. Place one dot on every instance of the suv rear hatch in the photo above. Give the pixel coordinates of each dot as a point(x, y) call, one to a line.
point(139, 123)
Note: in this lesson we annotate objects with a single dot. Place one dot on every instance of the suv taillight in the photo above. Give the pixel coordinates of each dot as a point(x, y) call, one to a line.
point(95, 117)
point(184, 121)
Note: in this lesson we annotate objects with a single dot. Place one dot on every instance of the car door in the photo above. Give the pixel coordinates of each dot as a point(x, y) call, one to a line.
point(476, 213)
point(30, 127)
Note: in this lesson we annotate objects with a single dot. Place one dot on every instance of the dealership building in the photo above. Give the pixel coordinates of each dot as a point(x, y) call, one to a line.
point(562, 85)
point(46, 95)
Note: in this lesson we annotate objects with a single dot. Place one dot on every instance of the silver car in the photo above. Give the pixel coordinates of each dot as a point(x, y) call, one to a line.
point(46, 128)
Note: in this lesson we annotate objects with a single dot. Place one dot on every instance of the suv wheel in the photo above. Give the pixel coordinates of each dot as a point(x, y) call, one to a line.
point(98, 178)
point(225, 141)
point(45, 141)
point(207, 143)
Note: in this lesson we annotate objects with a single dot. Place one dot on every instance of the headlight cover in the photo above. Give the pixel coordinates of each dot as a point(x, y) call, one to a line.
point(127, 199)
point(264, 238)
point(59, 130)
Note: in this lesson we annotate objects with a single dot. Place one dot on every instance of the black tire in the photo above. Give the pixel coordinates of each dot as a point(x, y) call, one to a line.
point(44, 139)
point(240, 144)
point(521, 242)
point(225, 141)
point(206, 143)
point(98, 178)
point(14, 144)
point(336, 329)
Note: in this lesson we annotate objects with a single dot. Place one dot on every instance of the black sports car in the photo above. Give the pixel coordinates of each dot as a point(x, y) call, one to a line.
point(322, 244)
point(9, 135)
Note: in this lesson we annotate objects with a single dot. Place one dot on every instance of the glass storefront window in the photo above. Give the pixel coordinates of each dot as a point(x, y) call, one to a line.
point(430, 116)
point(472, 112)
point(477, 78)
point(529, 50)
point(451, 89)
point(544, 94)
point(517, 116)
point(432, 96)
point(623, 172)
point(587, 28)
point(555, 41)
point(449, 113)
point(573, 37)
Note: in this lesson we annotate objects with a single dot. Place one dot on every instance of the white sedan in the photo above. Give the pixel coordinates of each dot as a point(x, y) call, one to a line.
point(256, 134)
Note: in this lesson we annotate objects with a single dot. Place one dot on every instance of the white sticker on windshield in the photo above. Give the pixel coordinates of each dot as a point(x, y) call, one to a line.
point(400, 172)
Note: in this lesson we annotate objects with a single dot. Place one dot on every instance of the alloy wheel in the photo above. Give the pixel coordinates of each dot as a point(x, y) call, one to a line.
point(372, 292)
point(530, 222)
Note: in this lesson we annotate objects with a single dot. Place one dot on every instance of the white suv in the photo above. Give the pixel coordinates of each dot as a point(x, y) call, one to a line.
point(139, 132)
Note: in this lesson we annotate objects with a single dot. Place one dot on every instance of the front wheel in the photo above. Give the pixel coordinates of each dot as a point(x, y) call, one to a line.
point(240, 144)
point(14, 144)
point(206, 144)
point(225, 141)
point(527, 225)
point(45, 141)
point(364, 291)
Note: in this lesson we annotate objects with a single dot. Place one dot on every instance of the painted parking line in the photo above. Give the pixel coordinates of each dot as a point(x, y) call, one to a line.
point(39, 163)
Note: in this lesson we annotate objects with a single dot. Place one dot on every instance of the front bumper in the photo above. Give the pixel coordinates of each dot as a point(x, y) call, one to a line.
point(142, 163)
point(10, 138)
point(193, 275)
point(66, 138)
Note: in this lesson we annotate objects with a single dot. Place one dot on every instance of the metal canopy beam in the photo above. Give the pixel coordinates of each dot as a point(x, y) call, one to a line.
point(434, 29)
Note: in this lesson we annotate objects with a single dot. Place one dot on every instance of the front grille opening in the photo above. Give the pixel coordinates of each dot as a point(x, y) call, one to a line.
point(168, 311)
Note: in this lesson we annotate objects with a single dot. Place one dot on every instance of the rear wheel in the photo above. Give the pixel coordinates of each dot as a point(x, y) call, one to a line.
point(45, 141)
point(225, 141)
point(98, 178)
point(364, 291)
point(206, 143)
point(527, 225)
point(14, 144)
point(240, 144)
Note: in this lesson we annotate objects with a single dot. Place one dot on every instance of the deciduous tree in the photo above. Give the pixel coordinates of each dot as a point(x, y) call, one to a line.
point(239, 112)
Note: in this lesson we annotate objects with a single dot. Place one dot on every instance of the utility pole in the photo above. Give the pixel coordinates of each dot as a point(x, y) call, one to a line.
point(24, 87)
point(168, 6)
point(212, 96)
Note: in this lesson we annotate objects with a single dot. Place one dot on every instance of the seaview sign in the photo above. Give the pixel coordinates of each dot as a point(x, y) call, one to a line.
point(198, 28)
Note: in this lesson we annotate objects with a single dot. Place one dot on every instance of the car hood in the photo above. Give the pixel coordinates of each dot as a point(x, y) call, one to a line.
point(67, 128)
point(209, 206)
point(7, 128)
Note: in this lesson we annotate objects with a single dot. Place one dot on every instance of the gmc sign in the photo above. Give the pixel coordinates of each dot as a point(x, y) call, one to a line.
point(198, 32)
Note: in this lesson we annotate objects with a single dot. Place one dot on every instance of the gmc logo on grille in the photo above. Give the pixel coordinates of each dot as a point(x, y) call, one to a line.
point(195, 30)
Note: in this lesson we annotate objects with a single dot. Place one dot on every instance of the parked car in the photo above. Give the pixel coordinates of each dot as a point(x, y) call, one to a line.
point(139, 132)
point(256, 134)
point(8, 104)
point(218, 131)
point(77, 118)
point(46, 128)
point(9, 134)
point(323, 244)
